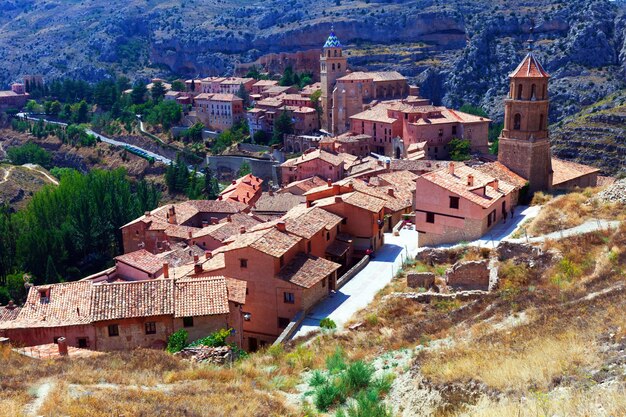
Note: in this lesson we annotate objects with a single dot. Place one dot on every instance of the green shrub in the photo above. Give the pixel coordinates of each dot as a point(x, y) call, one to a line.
point(382, 384)
point(369, 404)
point(317, 379)
point(327, 395)
point(215, 339)
point(358, 376)
point(328, 324)
point(336, 362)
point(177, 341)
point(29, 153)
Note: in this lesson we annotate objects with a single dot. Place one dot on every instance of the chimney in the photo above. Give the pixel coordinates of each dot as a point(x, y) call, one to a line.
point(242, 229)
point(62, 345)
point(336, 189)
point(147, 214)
point(197, 268)
point(171, 218)
point(329, 182)
point(219, 198)
point(281, 226)
point(233, 182)
point(166, 270)
point(214, 220)
point(451, 168)
point(208, 255)
point(190, 234)
point(270, 193)
point(338, 199)
point(196, 258)
point(496, 184)
point(229, 219)
point(470, 180)
point(308, 203)
point(388, 164)
point(390, 192)
point(205, 223)
point(11, 305)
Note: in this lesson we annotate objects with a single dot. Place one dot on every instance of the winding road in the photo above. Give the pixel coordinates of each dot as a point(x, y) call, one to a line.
point(103, 138)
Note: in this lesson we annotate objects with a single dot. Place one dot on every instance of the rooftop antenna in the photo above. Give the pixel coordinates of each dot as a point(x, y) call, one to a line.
point(531, 40)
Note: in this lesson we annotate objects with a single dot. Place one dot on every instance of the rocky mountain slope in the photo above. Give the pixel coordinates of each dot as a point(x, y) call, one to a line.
point(596, 135)
point(459, 51)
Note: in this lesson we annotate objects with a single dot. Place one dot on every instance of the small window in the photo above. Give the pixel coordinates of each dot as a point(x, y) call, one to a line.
point(327, 235)
point(114, 330)
point(324, 282)
point(454, 202)
point(243, 263)
point(187, 321)
point(289, 297)
point(430, 217)
point(454, 130)
point(440, 132)
point(282, 261)
point(283, 322)
point(83, 342)
point(150, 327)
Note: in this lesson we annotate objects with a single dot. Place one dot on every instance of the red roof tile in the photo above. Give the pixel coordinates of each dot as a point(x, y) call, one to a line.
point(236, 290)
point(200, 297)
point(132, 299)
point(529, 68)
point(142, 260)
point(306, 271)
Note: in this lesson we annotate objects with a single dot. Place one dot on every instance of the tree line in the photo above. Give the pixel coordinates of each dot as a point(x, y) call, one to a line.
point(72, 230)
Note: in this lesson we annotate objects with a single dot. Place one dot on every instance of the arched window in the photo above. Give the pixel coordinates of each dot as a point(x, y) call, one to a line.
point(541, 122)
point(329, 53)
point(517, 121)
point(519, 91)
point(339, 65)
point(333, 67)
point(533, 91)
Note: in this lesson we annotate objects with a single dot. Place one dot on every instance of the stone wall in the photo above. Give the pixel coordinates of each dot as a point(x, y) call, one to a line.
point(471, 275)
point(420, 279)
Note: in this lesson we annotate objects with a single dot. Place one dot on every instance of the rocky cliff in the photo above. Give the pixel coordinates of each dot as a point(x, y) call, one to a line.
point(459, 51)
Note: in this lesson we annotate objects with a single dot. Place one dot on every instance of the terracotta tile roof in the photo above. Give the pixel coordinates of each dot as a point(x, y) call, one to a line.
point(236, 81)
point(399, 200)
point(217, 206)
point(180, 253)
point(350, 137)
point(416, 165)
point(567, 170)
point(316, 154)
point(529, 68)
point(142, 260)
point(387, 76)
point(306, 271)
point(178, 231)
point(357, 199)
point(225, 97)
point(8, 314)
point(276, 202)
point(132, 299)
point(216, 263)
point(457, 183)
point(236, 290)
point(200, 297)
point(307, 223)
point(226, 229)
point(377, 113)
point(270, 241)
point(246, 189)
point(303, 186)
point(338, 248)
point(399, 178)
point(501, 172)
point(64, 304)
point(264, 83)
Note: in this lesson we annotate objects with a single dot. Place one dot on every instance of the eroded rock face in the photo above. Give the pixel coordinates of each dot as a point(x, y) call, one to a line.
point(469, 275)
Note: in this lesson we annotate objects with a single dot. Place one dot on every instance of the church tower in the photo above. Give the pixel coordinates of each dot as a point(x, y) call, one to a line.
point(524, 143)
point(333, 65)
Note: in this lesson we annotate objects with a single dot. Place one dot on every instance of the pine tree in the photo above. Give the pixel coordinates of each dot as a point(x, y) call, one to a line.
point(211, 187)
point(157, 91)
point(243, 94)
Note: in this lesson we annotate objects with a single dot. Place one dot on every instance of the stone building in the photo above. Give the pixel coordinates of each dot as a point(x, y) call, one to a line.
point(218, 111)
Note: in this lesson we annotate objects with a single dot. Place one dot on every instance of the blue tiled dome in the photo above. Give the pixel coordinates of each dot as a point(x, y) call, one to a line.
point(332, 41)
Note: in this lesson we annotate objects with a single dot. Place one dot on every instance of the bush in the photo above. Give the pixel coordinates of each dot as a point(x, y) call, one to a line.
point(358, 376)
point(328, 324)
point(327, 395)
point(336, 362)
point(177, 341)
point(317, 379)
point(368, 404)
point(215, 339)
point(29, 153)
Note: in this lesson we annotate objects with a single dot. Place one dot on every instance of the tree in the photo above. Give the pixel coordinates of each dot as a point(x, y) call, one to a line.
point(459, 149)
point(475, 110)
point(243, 94)
point(157, 91)
point(260, 136)
point(66, 112)
point(287, 78)
point(194, 133)
point(178, 85)
point(196, 186)
point(283, 125)
point(138, 95)
point(52, 276)
point(55, 108)
point(81, 114)
point(244, 169)
point(29, 153)
point(32, 106)
point(211, 186)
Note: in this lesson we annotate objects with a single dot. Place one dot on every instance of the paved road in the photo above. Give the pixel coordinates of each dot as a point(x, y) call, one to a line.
point(105, 139)
point(589, 226)
point(361, 289)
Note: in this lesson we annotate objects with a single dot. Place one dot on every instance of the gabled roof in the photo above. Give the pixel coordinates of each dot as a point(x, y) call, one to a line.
point(200, 297)
point(228, 228)
point(270, 241)
point(122, 300)
point(529, 68)
point(142, 260)
point(501, 172)
point(356, 199)
point(316, 154)
point(457, 183)
point(306, 270)
point(567, 170)
point(277, 203)
point(303, 185)
point(236, 290)
point(308, 221)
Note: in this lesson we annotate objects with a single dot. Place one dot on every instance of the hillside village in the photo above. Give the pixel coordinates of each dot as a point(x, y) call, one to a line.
point(366, 176)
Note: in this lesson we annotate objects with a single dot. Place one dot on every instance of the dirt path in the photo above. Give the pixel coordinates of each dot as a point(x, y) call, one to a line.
point(41, 393)
point(38, 169)
point(7, 173)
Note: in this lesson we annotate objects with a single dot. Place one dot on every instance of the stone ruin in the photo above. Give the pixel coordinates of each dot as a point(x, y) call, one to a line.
point(468, 275)
point(206, 354)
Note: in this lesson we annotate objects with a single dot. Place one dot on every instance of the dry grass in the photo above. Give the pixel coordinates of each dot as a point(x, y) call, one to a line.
point(573, 209)
point(596, 402)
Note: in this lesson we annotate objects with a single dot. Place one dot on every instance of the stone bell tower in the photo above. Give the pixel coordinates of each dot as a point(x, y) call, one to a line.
point(333, 65)
point(524, 143)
